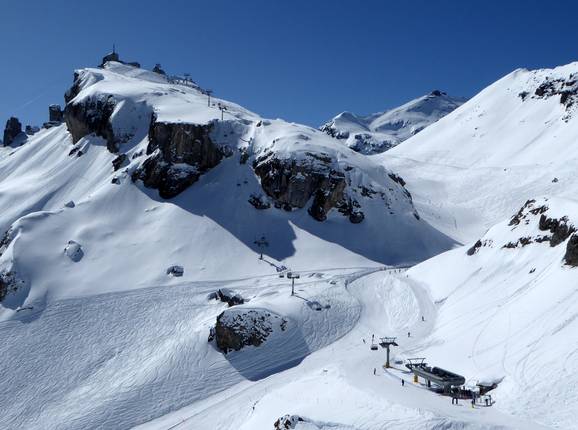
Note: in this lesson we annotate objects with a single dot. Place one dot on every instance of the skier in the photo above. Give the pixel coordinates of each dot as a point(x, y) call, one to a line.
point(408, 334)
point(422, 318)
point(363, 340)
point(372, 337)
point(374, 370)
point(402, 382)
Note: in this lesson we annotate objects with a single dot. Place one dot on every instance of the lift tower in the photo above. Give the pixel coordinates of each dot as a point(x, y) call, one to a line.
point(386, 342)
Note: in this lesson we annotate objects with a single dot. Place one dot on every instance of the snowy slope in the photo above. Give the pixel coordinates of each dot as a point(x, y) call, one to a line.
point(508, 312)
point(513, 141)
point(382, 131)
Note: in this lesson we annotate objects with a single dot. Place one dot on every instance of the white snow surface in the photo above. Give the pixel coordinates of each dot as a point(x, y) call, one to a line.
point(378, 132)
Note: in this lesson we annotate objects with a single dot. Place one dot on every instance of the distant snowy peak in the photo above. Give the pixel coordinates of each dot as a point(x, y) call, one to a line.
point(381, 131)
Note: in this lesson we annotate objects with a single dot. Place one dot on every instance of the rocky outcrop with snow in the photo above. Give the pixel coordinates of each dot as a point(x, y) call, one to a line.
point(239, 327)
point(13, 132)
point(382, 131)
point(178, 155)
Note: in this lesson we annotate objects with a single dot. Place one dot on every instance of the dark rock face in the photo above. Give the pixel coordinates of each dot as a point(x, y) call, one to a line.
point(350, 209)
point(9, 283)
point(235, 330)
point(474, 248)
point(228, 296)
point(74, 90)
point(566, 89)
point(561, 229)
point(184, 143)
point(521, 215)
point(119, 161)
point(31, 129)
point(397, 179)
point(12, 130)
point(287, 422)
point(571, 256)
point(259, 202)
point(291, 184)
point(55, 113)
point(92, 116)
point(158, 69)
point(177, 271)
point(179, 154)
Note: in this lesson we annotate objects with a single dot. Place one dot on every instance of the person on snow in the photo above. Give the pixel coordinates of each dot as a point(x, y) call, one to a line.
point(374, 370)
point(402, 382)
point(408, 334)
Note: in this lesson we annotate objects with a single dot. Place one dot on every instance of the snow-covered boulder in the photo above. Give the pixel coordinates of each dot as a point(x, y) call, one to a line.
point(297, 422)
point(73, 250)
point(231, 297)
point(176, 271)
point(239, 327)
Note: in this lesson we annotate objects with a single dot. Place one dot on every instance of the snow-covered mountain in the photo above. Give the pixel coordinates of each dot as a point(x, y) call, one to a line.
point(146, 190)
point(132, 294)
point(512, 142)
point(379, 132)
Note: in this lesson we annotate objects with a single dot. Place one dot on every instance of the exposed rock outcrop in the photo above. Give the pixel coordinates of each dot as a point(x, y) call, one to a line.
point(287, 422)
point(9, 283)
point(237, 329)
point(178, 154)
point(565, 89)
point(92, 116)
point(571, 256)
point(293, 183)
point(259, 201)
point(561, 229)
point(120, 161)
point(55, 113)
point(12, 131)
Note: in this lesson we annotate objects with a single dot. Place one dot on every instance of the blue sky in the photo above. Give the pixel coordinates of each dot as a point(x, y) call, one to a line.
point(303, 61)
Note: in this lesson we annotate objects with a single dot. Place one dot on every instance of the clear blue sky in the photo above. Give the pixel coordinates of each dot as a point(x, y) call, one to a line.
point(303, 61)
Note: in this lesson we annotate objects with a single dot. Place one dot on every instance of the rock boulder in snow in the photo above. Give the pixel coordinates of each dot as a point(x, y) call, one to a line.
point(237, 328)
point(228, 296)
point(73, 250)
point(176, 271)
